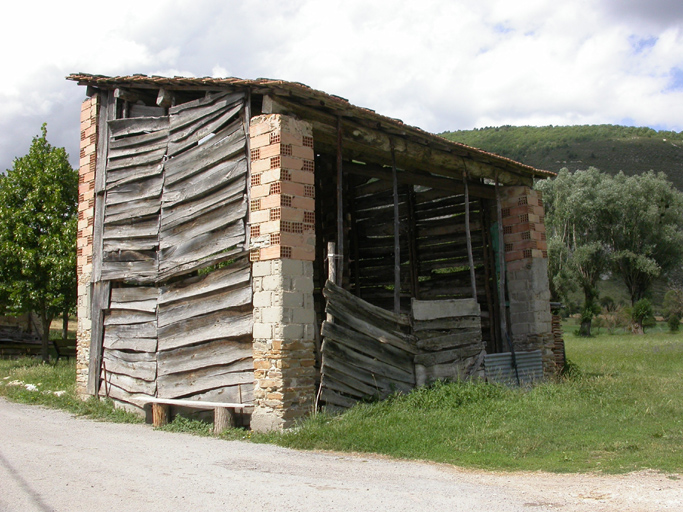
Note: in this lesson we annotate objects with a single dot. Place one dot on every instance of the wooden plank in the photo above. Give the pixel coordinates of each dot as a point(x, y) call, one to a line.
point(219, 325)
point(130, 384)
point(219, 149)
point(143, 370)
point(429, 374)
point(206, 249)
point(189, 308)
point(149, 188)
point(339, 351)
point(118, 177)
point(360, 388)
point(368, 346)
point(184, 139)
point(130, 271)
point(453, 340)
point(447, 323)
point(445, 356)
point(332, 397)
point(125, 317)
point(151, 145)
point(138, 140)
point(341, 387)
point(432, 310)
point(99, 303)
point(134, 244)
point(123, 212)
point(334, 292)
point(122, 395)
point(206, 182)
point(190, 111)
point(384, 386)
point(143, 229)
point(139, 344)
point(196, 404)
point(182, 384)
point(212, 221)
point(133, 294)
point(342, 314)
point(204, 355)
point(143, 159)
point(199, 285)
point(138, 125)
point(228, 193)
point(240, 393)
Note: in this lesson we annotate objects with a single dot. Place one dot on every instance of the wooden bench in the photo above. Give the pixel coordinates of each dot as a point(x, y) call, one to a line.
point(223, 412)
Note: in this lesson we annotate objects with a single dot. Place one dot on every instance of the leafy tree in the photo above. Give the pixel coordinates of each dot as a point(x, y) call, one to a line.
point(578, 256)
point(38, 223)
point(673, 308)
point(643, 229)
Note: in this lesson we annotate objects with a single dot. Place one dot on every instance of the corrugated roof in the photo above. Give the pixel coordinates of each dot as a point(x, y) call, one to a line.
point(296, 91)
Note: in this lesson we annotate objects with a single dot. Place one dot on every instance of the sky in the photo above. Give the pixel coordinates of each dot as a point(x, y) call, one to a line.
point(437, 64)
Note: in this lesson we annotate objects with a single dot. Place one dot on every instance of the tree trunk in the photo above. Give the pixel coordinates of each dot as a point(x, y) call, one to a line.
point(65, 326)
point(585, 328)
point(45, 347)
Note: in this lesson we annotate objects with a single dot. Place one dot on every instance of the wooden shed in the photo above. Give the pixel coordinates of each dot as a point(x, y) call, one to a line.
point(262, 243)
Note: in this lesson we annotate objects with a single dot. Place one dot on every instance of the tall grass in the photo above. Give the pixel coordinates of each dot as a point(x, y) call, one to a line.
point(622, 410)
point(29, 381)
point(619, 409)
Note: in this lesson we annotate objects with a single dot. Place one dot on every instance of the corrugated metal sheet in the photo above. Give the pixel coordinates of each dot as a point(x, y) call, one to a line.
point(529, 366)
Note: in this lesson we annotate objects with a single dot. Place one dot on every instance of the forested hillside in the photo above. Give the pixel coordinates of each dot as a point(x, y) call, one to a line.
point(609, 148)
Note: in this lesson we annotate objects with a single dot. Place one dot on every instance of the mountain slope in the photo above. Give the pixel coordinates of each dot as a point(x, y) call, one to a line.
point(609, 148)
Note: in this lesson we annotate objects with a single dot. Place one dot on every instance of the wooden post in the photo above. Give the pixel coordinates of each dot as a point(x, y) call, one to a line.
point(331, 270)
point(340, 206)
point(397, 240)
point(468, 233)
point(501, 261)
point(223, 419)
point(160, 414)
point(412, 245)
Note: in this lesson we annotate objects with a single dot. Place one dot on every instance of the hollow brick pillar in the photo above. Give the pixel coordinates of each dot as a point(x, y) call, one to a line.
point(526, 257)
point(282, 250)
point(84, 243)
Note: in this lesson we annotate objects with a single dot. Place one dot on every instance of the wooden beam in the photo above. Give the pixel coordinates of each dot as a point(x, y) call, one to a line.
point(470, 257)
point(165, 98)
point(340, 208)
point(501, 261)
point(397, 240)
point(367, 144)
point(420, 178)
point(133, 96)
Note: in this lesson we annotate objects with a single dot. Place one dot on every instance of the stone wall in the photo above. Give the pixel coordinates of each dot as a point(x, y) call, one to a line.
point(84, 244)
point(282, 249)
point(526, 257)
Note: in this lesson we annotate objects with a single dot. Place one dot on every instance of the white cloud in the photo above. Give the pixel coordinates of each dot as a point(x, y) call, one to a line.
point(435, 63)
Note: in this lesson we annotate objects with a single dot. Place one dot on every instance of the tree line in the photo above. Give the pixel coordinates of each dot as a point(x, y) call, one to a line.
point(598, 224)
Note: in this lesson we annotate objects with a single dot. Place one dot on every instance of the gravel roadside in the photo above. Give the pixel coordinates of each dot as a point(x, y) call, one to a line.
point(50, 460)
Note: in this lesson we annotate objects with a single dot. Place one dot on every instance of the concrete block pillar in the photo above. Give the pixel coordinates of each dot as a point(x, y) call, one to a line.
point(84, 243)
point(526, 257)
point(282, 251)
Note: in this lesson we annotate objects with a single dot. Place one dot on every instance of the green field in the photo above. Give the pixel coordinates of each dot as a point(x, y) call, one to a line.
point(620, 409)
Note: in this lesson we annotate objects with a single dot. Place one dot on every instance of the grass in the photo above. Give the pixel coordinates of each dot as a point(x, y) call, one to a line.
point(53, 385)
point(620, 409)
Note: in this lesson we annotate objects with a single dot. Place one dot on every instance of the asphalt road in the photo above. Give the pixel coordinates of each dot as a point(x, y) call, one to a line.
point(50, 460)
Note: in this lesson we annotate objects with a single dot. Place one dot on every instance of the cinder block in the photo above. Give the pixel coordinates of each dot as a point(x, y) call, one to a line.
point(302, 152)
point(291, 268)
point(263, 331)
point(263, 299)
point(259, 191)
point(259, 217)
point(303, 316)
point(259, 141)
point(261, 269)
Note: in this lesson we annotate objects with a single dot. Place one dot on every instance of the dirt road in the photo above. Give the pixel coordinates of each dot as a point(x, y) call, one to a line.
point(52, 461)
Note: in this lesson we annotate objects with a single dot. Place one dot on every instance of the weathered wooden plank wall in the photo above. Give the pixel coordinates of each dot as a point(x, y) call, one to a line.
point(433, 246)
point(366, 353)
point(179, 320)
point(370, 353)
